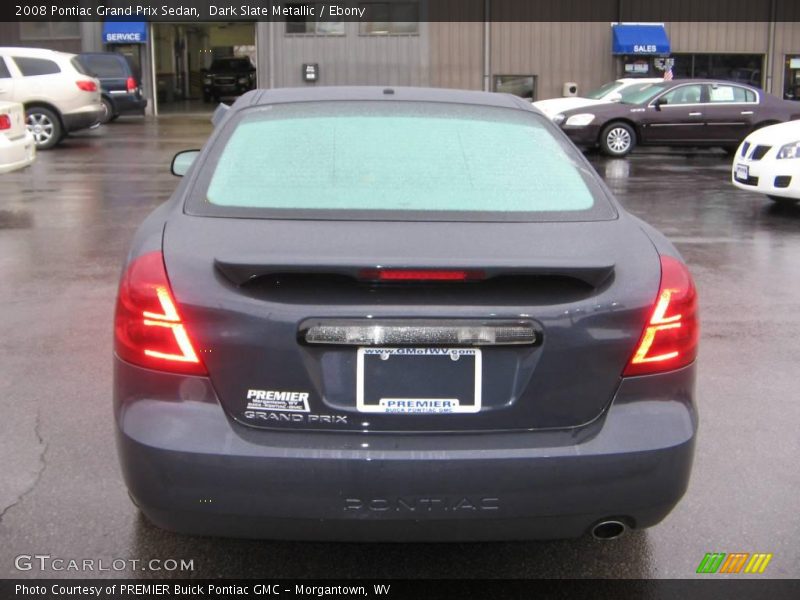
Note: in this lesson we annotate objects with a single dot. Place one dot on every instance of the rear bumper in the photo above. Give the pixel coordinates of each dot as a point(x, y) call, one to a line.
point(83, 118)
point(16, 153)
point(193, 470)
point(128, 103)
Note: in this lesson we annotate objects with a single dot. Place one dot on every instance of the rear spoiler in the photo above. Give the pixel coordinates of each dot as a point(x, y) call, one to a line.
point(593, 273)
point(219, 114)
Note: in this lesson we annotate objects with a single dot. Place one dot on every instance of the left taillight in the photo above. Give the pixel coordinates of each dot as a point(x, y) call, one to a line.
point(5, 122)
point(148, 328)
point(669, 340)
point(86, 85)
point(130, 85)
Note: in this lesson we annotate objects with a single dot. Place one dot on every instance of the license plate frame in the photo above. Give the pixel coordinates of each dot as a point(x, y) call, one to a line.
point(466, 396)
point(742, 172)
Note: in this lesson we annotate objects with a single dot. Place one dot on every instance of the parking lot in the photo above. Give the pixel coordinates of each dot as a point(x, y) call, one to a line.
point(65, 225)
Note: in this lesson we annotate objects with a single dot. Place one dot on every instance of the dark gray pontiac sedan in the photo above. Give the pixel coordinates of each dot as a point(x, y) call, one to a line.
point(401, 314)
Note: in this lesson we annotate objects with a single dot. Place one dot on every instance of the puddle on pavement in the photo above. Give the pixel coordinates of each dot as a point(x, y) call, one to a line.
point(16, 219)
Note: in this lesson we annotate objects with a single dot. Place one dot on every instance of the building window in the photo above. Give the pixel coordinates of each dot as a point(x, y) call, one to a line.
point(311, 25)
point(401, 18)
point(791, 78)
point(523, 86)
point(742, 68)
point(49, 30)
point(105, 65)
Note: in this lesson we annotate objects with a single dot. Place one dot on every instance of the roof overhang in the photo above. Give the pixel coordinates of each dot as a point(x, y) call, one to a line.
point(647, 39)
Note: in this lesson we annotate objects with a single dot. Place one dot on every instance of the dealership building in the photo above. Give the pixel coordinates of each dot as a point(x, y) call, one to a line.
point(534, 59)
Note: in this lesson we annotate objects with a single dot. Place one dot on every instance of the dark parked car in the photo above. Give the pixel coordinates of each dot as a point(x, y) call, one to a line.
point(121, 93)
point(688, 112)
point(228, 77)
point(414, 315)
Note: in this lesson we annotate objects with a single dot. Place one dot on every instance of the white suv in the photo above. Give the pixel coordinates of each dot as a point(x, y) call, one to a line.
point(58, 94)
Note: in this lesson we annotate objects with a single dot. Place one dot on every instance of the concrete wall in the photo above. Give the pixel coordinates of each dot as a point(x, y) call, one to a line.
point(451, 53)
point(724, 36)
point(231, 34)
point(554, 52)
point(786, 43)
point(351, 59)
point(10, 36)
point(557, 52)
point(456, 44)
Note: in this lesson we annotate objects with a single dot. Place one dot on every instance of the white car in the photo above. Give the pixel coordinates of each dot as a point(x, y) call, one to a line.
point(609, 92)
point(17, 148)
point(58, 94)
point(768, 162)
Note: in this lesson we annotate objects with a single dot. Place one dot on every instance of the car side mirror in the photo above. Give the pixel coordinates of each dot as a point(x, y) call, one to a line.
point(660, 102)
point(615, 97)
point(182, 161)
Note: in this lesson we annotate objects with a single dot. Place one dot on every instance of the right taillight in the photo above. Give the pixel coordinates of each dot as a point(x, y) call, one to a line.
point(5, 122)
point(130, 85)
point(148, 329)
point(669, 340)
point(87, 86)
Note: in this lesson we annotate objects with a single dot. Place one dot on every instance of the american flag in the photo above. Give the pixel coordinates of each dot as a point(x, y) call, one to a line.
point(668, 74)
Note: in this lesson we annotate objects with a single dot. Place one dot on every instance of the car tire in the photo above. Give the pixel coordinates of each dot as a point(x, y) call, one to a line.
point(781, 201)
point(108, 111)
point(617, 139)
point(45, 126)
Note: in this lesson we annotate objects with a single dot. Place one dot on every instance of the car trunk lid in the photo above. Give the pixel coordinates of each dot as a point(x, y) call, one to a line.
point(250, 291)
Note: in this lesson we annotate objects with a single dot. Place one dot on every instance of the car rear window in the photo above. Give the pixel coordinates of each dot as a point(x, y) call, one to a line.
point(79, 67)
point(101, 65)
point(30, 67)
point(396, 160)
point(730, 93)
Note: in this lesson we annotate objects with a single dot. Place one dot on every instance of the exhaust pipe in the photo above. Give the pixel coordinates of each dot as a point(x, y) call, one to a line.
point(609, 530)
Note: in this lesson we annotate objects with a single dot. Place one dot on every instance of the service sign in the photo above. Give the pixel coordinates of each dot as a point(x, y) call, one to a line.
point(125, 32)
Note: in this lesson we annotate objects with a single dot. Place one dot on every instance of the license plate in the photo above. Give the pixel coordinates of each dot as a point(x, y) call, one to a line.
point(418, 380)
point(742, 172)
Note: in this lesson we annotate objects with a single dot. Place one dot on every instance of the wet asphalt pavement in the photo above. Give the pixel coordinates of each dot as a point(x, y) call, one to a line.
point(65, 225)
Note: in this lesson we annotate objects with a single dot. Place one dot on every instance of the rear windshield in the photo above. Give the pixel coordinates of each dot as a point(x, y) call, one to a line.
point(396, 160)
point(76, 63)
point(104, 65)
